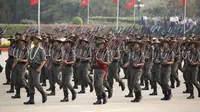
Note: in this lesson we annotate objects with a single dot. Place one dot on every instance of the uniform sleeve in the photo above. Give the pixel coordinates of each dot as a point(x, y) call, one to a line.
point(42, 55)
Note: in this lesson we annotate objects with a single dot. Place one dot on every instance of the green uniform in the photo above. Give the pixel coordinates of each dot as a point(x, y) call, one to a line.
point(36, 57)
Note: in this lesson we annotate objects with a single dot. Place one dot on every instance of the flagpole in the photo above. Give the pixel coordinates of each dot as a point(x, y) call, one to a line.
point(88, 13)
point(39, 17)
point(117, 14)
point(134, 14)
point(185, 9)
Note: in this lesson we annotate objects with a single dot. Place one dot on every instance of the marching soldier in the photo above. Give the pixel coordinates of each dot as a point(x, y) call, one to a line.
point(36, 60)
point(99, 65)
point(113, 68)
point(9, 61)
point(193, 60)
point(85, 58)
point(155, 71)
point(46, 45)
point(18, 71)
point(136, 63)
point(174, 72)
point(167, 59)
point(55, 62)
point(68, 59)
point(148, 64)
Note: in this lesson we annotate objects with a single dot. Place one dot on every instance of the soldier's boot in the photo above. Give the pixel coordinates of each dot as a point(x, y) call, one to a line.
point(138, 97)
point(74, 94)
point(30, 101)
point(53, 92)
point(187, 90)
point(44, 96)
point(199, 92)
point(104, 97)
point(110, 92)
point(172, 82)
point(141, 82)
point(75, 84)
point(178, 82)
point(7, 82)
point(165, 95)
point(11, 89)
point(98, 102)
point(44, 82)
point(27, 91)
point(146, 85)
point(91, 86)
point(191, 95)
point(169, 94)
point(154, 92)
point(122, 85)
point(65, 99)
point(17, 95)
point(82, 90)
point(49, 89)
point(130, 94)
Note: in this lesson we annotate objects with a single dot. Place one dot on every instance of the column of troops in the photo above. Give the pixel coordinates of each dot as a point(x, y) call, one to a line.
point(145, 61)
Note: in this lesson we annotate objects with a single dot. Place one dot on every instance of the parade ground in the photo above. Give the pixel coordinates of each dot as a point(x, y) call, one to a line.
point(84, 102)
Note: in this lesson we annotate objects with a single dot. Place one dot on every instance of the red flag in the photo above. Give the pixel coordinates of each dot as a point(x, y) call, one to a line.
point(34, 2)
point(130, 4)
point(115, 1)
point(84, 3)
point(184, 2)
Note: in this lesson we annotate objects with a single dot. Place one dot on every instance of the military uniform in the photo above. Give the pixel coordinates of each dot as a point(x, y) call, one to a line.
point(166, 56)
point(56, 54)
point(36, 57)
point(192, 72)
point(19, 72)
point(136, 57)
point(147, 66)
point(113, 69)
point(83, 69)
point(67, 71)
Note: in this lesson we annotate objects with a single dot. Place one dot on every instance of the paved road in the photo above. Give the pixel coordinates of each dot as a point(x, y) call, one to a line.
point(83, 103)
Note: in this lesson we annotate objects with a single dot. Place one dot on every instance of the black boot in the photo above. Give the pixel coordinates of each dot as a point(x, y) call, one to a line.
point(178, 82)
point(91, 87)
point(98, 102)
point(27, 91)
point(74, 94)
point(146, 86)
point(165, 95)
point(11, 89)
point(154, 92)
point(122, 85)
point(65, 99)
point(17, 95)
point(82, 90)
point(53, 92)
point(7, 82)
point(191, 95)
point(110, 92)
point(104, 97)
point(199, 92)
point(169, 94)
point(31, 100)
point(44, 96)
point(172, 85)
point(75, 84)
point(138, 97)
point(187, 90)
point(49, 89)
point(130, 94)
